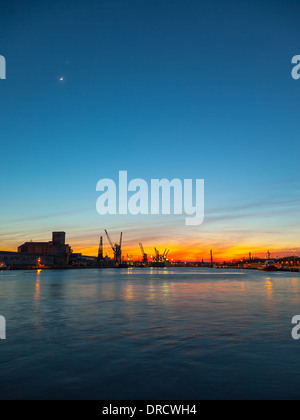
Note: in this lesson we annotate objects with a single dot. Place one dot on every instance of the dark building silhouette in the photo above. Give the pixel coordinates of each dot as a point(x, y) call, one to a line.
point(56, 248)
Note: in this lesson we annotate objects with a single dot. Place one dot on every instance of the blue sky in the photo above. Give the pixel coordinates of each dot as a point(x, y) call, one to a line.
point(187, 89)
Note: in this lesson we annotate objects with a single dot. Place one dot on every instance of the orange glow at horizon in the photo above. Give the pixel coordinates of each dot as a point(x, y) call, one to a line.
point(186, 254)
point(193, 245)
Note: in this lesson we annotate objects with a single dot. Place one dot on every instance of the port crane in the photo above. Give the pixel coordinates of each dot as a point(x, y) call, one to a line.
point(156, 258)
point(164, 256)
point(145, 256)
point(100, 250)
point(129, 260)
point(117, 248)
point(160, 258)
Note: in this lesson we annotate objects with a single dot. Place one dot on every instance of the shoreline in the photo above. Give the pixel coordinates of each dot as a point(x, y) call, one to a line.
point(32, 268)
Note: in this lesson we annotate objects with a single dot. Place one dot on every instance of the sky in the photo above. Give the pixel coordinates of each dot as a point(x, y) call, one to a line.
point(162, 89)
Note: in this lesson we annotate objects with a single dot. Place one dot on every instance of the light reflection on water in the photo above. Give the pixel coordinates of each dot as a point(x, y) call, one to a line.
point(149, 334)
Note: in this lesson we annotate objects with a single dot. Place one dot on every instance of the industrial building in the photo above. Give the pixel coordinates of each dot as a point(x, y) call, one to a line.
point(55, 253)
point(57, 248)
point(19, 260)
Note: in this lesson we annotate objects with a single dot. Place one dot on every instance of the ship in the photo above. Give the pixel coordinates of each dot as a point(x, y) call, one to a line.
point(270, 266)
point(157, 264)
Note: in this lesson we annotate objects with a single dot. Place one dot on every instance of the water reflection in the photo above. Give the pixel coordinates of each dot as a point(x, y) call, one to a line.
point(37, 287)
point(269, 290)
point(129, 292)
point(37, 294)
point(102, 332)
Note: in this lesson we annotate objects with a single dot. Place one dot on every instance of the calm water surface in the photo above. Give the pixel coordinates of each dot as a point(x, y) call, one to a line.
point(149, 334)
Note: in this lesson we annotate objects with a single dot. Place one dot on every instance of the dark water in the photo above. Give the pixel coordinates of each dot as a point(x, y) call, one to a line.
point(142, 334)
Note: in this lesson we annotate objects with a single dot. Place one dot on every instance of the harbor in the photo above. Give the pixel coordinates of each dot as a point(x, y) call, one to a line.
point(56, 254)
point(115, 334)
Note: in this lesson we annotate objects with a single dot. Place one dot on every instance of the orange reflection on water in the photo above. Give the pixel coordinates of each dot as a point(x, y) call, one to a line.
point(128, 294)
point(37, 287)
point(37, 294)
point(269, 290)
